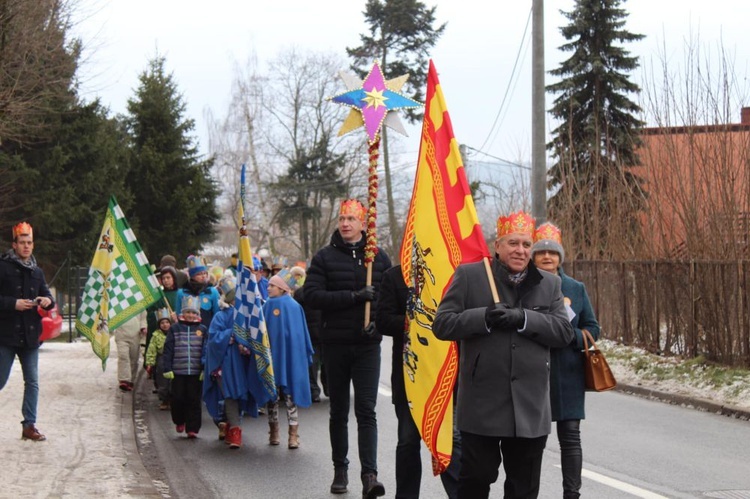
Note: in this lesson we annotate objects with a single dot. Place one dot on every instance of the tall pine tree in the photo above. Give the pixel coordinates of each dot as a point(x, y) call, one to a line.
point(174, 197)
point(71, 177)
point(401, 35)
point(595, 143)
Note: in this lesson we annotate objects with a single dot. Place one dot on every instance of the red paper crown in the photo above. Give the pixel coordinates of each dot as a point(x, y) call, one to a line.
point(23, 229)
point(548, 231)
point(515, 223)
point(354, 208)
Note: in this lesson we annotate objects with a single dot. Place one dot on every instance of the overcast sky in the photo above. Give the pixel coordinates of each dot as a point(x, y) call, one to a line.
point(203, 41)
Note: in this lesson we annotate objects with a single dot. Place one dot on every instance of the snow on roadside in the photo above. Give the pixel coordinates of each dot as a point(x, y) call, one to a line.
point(635, 366)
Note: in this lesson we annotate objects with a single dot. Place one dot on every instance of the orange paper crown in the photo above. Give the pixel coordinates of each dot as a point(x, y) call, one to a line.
point(515, 223)
point(353, 207)
point(23, 229)
point(548, 231)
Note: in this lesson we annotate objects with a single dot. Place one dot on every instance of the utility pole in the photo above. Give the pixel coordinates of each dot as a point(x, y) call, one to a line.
point(538, 125)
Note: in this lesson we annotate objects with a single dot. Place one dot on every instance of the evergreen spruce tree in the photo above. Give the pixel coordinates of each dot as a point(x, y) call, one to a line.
point(594, 145)
point(69, 185)
point(174, 197)
point(401, 34)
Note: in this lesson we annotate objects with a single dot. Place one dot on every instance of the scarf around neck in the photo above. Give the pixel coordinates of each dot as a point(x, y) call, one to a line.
point(13, 256)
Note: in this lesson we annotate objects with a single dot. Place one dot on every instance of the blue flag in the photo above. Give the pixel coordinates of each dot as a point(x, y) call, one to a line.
point(249, 324)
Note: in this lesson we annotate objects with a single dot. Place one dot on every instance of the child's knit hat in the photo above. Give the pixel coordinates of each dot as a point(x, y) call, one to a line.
point(277, 281)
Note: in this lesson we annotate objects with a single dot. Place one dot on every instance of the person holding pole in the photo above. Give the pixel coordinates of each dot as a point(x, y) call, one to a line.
point(506, 315)
point(342, 287)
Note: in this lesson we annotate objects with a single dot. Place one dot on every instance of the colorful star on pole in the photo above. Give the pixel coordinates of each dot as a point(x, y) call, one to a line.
point(371, 100)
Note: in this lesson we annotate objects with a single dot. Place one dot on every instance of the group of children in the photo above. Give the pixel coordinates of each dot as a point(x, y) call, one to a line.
point(195, 357)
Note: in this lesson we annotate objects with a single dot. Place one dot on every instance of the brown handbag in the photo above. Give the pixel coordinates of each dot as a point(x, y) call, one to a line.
point(598, 375)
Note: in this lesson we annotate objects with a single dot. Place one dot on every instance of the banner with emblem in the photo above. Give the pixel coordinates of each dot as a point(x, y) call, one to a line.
point(249, 323)
point(120, 283)
point(442, 231)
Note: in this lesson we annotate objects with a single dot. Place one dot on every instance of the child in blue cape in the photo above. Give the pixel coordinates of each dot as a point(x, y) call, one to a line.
point(228, 367)
point(292, 352)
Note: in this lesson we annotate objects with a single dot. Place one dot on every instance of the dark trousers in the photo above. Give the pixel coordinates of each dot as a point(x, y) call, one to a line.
point(358, 365)
point(186, 401)
point(481, 457)
point(409, 460)
point(315, 368)
point(571, 456)
point(161, 383)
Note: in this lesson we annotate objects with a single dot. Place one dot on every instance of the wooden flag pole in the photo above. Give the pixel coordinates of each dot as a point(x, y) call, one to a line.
point(368, 304)
point(491, 279)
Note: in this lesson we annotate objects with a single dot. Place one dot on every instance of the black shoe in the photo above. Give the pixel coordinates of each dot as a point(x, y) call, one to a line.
point(316, 399)
point(371, 488)
point(340, 481)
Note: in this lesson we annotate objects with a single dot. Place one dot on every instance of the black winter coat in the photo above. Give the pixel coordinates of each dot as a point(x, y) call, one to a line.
point(392, 322)
point(20, 329)
point(335, 272)
point(313, 317)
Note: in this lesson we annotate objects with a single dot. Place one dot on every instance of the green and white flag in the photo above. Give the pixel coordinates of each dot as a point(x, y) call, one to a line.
point(120, 285)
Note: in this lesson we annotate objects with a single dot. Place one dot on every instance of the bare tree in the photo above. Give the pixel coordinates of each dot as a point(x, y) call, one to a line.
point(38, 62)
point(696, 161)
point(276, 120)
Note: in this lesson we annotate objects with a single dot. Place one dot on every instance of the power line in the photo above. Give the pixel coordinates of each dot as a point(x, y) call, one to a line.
point(510, 81)
point(504, 161)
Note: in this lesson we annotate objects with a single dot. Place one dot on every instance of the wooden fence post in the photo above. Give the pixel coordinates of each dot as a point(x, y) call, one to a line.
point(693, 333)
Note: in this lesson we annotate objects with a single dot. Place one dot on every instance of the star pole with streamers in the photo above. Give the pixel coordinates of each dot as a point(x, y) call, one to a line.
point(371, 101)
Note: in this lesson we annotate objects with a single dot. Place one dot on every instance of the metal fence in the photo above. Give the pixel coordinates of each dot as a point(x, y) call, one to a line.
point(673, 308)
point(68, 284)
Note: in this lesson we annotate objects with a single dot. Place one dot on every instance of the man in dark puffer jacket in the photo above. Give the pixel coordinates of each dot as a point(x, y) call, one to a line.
point(336, 284)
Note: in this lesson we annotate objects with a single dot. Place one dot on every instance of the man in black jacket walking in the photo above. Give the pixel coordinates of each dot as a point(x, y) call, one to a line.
point(392, 301)
point(22, 290)
point(336, 284)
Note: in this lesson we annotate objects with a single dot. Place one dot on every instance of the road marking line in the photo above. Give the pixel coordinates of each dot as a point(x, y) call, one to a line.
point(384, 391)
point(617, 484)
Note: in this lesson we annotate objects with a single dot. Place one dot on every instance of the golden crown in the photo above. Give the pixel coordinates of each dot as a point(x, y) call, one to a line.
point(353, 207)
point(548, 231)
point(23, 229)
point(515, 223)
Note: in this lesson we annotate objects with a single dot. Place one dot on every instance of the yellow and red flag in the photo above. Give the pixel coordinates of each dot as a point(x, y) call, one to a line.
point(442, 231)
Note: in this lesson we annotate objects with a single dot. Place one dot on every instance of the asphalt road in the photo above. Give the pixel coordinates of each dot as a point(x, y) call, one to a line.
point(633, 447)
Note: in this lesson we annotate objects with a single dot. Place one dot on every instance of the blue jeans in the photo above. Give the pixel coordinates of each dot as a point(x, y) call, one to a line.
point(29, 358)
point(357, 365)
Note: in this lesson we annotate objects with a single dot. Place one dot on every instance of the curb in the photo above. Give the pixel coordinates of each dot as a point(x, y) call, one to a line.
point(146, 487)
point(685, 401)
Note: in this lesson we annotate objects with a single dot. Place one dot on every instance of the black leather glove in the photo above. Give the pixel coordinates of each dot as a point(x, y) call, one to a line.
point(369, 329)
point(365, 294)
point(502, 316)
point(492, 316)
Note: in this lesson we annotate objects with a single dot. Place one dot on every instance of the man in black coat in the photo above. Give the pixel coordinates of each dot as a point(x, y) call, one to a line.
point(22, 289)
point(503, 409)
point(394, 295)
point(337, 285)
